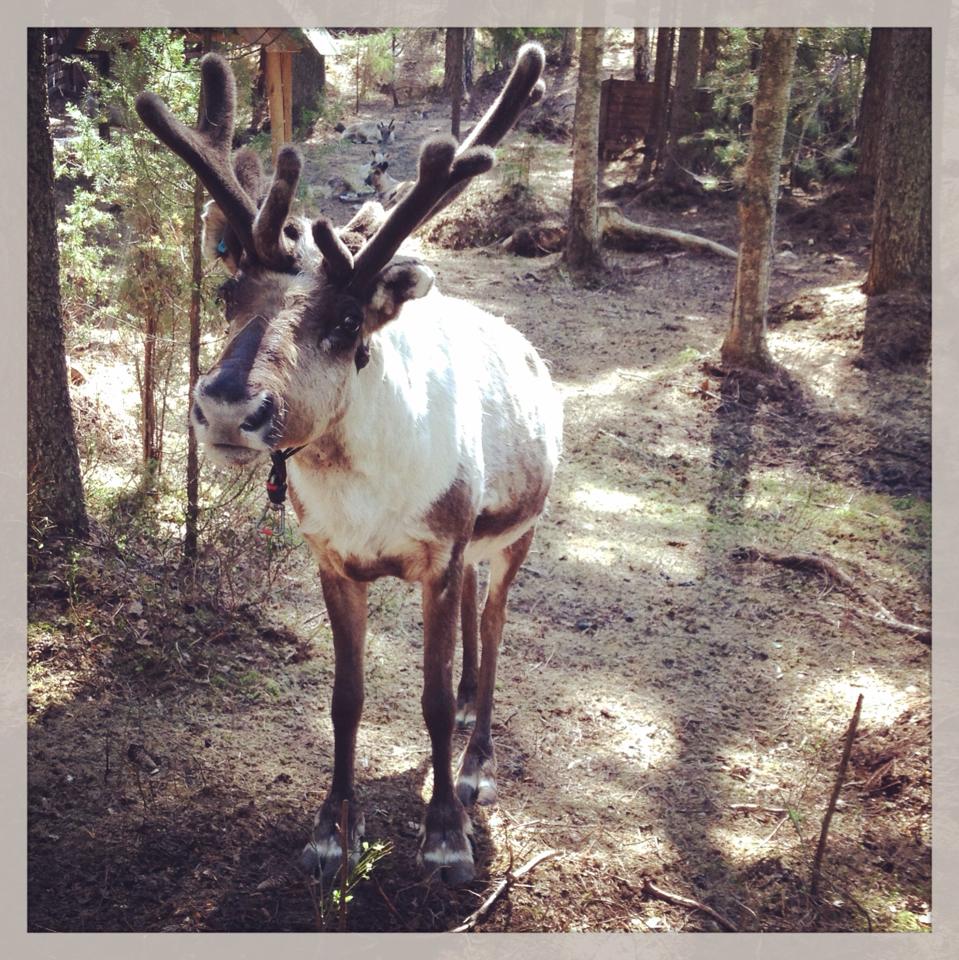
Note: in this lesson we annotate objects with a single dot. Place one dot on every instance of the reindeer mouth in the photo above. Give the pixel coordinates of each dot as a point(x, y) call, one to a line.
point(232, 455)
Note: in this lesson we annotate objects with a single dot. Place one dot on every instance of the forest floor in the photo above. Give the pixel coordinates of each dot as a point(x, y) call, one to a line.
point(668, 710)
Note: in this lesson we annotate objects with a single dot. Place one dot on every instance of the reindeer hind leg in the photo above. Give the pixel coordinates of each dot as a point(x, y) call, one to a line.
point(476, 780)
point(466, 692)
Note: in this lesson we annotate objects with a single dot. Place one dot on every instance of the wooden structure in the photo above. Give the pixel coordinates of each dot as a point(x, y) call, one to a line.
point(65, 77)
point(626, 112)
point(278, 45)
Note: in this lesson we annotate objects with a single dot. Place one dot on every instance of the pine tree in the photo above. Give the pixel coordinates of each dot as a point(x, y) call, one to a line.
point(745, 343)
point(583, 253)
point(55, 490)
point(902, 215)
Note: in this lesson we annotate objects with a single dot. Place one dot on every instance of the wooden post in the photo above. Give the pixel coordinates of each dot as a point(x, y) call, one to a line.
point(276, 98)
point(286, 65)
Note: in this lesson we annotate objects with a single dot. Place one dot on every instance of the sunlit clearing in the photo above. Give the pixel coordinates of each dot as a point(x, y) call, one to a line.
point(111, 385)
point(742, 842)
point(882, 702)
point(849, 296)
point(604, 500)
point(824, 361)
point(603, 386)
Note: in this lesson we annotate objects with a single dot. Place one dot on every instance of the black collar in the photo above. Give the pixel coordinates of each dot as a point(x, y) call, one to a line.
point(276, 482)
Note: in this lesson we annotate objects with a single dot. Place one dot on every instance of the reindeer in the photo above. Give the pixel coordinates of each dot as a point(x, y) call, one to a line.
point(365, 131)
point(418, 436)
point(388, 191)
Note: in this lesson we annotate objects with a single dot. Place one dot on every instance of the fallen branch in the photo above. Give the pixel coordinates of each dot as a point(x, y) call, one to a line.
point(810, 562)
point(511, 877)
point(831, 809)
point(758, 806)
point(651, 890)
point(618, 230)
point(664, 261)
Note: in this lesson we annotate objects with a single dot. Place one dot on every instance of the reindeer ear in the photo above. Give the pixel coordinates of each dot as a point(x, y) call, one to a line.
point(400, 280)
point(219, 240)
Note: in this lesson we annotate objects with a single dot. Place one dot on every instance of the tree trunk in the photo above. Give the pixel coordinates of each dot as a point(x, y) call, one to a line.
point(869, 126)
point(665, 37)
point(583, 252)
point(469, 57)
point(54, 487)
point(190, 538)
point(682, 120)
point(902, 213)
point(568, 47)
point(745, 343)
point(453, 79)
point(309, 81)
point(708, 61)
point(709, 55)
point(641, 54)
point(150, 435)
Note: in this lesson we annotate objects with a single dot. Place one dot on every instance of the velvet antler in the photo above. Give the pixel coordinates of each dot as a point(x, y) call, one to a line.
point(207, 147)
point(445, 168)
point(234, 185)
point(440, 169)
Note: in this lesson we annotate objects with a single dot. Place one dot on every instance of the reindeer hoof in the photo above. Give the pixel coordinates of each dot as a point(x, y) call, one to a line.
point(322, 857)
point(447, 852)
point(476, 782)
point(465, 716)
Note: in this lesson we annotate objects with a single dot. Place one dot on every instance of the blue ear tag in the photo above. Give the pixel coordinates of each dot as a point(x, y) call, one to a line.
point(221, 248)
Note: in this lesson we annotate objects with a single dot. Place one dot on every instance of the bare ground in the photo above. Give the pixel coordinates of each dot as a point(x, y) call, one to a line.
point(665, 710)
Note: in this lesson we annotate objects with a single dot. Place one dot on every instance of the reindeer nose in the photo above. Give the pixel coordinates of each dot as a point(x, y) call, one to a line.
point(261, 416)
point(249, 422)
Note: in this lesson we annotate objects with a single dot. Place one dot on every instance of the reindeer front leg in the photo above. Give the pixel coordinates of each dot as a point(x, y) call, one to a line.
point(346, 603)
point(446, 827)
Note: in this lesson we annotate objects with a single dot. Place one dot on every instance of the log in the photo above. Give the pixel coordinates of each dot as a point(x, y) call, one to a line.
point(618, 230)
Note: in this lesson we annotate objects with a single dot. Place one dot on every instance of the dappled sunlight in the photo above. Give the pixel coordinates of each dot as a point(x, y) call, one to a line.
point(823, 360)
point(647, 745)
point(675, 561)
point(604, 385)
point(848, 296)
point(110, 386)
point(743, 841)
point(820, 361)
point(882, 701)
point(605, 500)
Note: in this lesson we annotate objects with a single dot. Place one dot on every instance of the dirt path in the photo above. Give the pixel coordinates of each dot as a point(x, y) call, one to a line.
point(648, 682)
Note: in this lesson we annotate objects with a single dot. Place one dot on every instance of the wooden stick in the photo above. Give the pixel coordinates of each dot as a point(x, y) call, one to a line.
point(345, 866)
point(651, 890)
point(837, 787)
point(510, 878)
point(817, 564)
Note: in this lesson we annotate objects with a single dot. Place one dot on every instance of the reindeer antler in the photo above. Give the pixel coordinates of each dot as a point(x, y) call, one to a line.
point(272, 246)
point(440, 170)
point(523, 88)
point(445, 168)
point(235, 185)
point(207, 148)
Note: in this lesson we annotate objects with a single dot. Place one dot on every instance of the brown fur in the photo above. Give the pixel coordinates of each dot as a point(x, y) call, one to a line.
point(425, 560)
point(451, 515)
point(327, 453)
